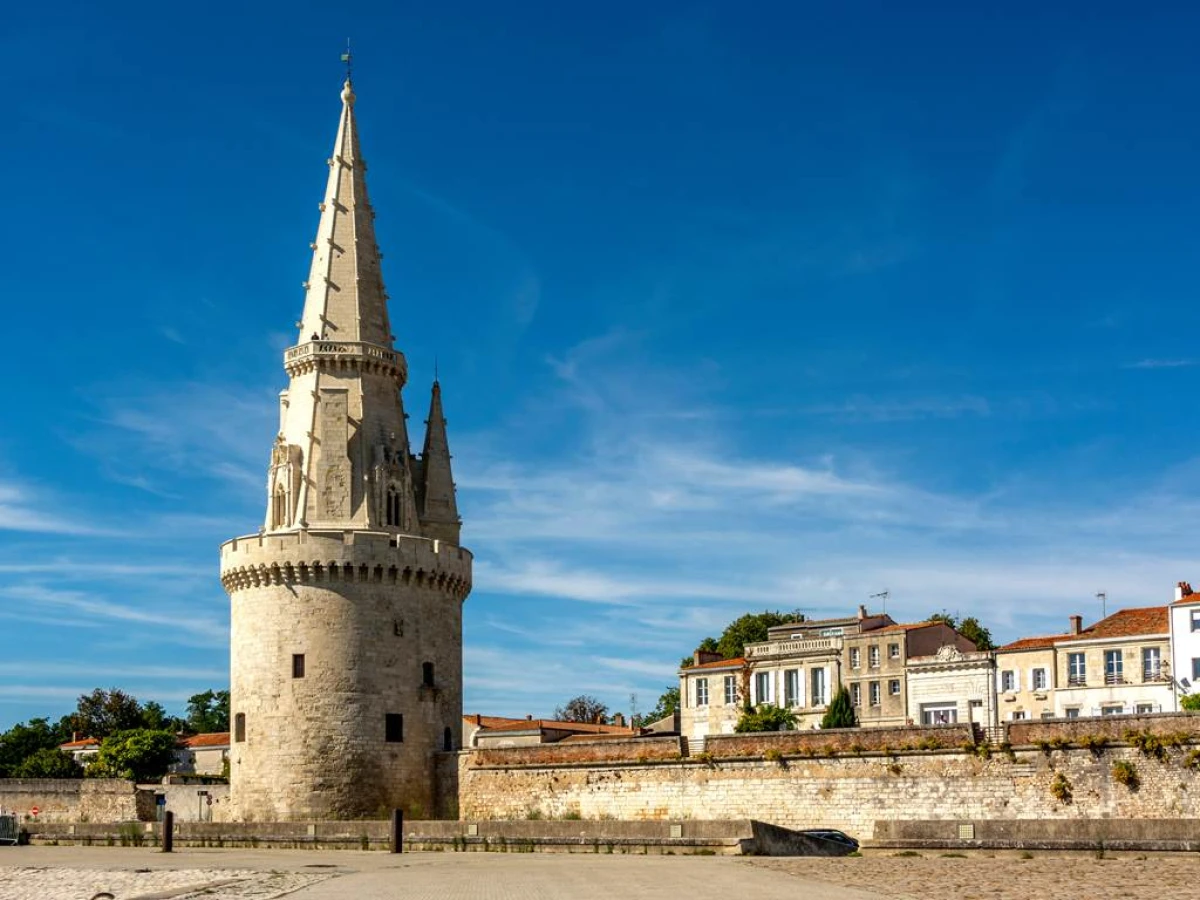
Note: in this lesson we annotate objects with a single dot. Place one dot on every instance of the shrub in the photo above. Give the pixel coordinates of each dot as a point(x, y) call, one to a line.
point(1060, 789)
point(1095, 743)
point(1190, 702)
point(1149, 744)
point(857, 749)
point(840, 713)
point(1043, 745)
point(1125, 772)
point(774, 755)
point(1192, 760)
point(765, 717)
point(1060, 743)
point(929, 743)
point(984, 750)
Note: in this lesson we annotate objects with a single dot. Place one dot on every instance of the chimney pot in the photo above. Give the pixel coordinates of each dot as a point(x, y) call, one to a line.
point(1182, 589)
point(862, 611)
point(528, 717)
point(1076, 624)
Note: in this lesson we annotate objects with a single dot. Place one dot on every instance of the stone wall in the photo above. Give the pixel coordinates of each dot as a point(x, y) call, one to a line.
point(614, 750)
point(75, 799)
point(1113, 728)
point(838, 740)
point(848, 791)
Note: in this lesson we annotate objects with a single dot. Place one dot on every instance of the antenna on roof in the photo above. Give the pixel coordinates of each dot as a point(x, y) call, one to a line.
point(882, 595)
point(1102, 596)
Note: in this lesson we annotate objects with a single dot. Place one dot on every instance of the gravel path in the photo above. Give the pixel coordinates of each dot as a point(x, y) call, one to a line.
point(30, 883)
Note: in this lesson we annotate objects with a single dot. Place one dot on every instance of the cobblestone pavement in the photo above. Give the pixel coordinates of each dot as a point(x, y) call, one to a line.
point(70, 873)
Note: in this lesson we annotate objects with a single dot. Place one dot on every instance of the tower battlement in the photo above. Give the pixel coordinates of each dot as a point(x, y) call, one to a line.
point(345, 556)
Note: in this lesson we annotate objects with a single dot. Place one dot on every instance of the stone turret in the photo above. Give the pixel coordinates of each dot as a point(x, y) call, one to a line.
point(346, 607)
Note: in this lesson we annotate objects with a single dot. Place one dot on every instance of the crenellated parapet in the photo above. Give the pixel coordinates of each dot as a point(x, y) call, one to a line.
point(308, 557)
point(345, 356)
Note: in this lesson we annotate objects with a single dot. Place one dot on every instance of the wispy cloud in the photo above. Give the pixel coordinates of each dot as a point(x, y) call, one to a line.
point(1162, 364)
point(20, 511)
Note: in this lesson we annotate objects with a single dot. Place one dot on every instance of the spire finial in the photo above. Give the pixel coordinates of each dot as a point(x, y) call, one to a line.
point(348, 59)
point(435, 369)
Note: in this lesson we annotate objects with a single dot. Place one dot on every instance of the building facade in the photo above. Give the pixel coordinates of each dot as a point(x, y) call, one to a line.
point(802, 664)
point(346, 606)
point(1121, 665)
point(1184, 618)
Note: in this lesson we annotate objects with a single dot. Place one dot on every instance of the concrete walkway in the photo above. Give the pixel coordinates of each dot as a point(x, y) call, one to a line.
point(448, 876)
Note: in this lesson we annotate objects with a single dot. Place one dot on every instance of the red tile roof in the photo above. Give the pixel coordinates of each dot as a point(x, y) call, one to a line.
point(483, 721)
point(82, 744)
point(1131, 623)
point(215, 739)
point(735, 663)
point(552, 725)
point(1186, 594)
point(1136, 622)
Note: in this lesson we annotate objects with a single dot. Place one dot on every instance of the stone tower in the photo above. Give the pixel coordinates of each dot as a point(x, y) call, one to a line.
point(346, 607)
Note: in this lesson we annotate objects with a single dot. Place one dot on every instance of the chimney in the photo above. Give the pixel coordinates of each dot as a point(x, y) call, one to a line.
point(1076, 624)
point(479, 719)
point(1182, 590)
point(619, 719)
point(528, 717)
point(862, 612)
point(700, 657)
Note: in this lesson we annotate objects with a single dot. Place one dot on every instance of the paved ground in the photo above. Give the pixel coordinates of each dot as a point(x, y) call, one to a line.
point(77, 873)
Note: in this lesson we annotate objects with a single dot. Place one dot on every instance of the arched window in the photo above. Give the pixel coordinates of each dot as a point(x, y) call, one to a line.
point(447, 739)
point(279, 507)
point(239, 727)
point(393, 507)
point(427, 674)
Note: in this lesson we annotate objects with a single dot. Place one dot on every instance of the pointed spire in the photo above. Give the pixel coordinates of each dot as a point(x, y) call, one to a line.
point(345, 299)
point(439, 507)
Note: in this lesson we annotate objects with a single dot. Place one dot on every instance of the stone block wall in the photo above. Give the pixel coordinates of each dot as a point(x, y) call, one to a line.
point(1113, 728)
point(611, 750)
point(76, 799)
point(838, 740)
point(848, 791)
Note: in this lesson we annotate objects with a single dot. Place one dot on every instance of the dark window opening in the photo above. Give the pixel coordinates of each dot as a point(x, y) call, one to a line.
point(447, 739)
point(297, 665)
point(427, 674)
point(393, 728)
point(393, 507)
point(239, 727)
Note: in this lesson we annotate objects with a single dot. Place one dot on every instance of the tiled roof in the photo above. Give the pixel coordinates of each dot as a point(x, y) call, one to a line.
point(215, 739)
point(910, 626)
point(492, 721)
point(736, 663)
point(82, 744)
point(1131, 623)
point(537, 724)
point(1145, 620)
point(1033, 643)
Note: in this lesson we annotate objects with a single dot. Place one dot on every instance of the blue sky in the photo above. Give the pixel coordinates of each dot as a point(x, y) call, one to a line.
point(736, 307)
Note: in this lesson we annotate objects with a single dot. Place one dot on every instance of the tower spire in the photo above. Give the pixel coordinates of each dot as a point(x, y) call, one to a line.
point(345, 299)
point(438, 505)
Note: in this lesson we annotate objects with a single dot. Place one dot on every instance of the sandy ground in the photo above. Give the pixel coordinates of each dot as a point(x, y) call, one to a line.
point(932, 877)
point(61, 883)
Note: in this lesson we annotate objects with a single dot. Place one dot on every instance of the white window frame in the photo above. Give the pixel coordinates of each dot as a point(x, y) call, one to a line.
point(855, 658)
point(761, 679)
point(873, 656)
point(894, 687)
point(1151, 663)
point(1076, 674)
point(875, 694)
point(1008, 681)
point(1071, 712)
point(820, 686)
point(793, 690)
point(1114, 667)
point(702, 692)
point(893, 651)
point(856, 694)
point(730, 690)
point(1195, 619)
point(1036, 675)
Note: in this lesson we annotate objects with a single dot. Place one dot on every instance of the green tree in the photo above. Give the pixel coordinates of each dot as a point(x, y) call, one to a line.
point(970, 628)
point(102, 713)
point(24, 739)
point(49, 763)
point(584, 708)
point(139, 754)
point(749, 629)
point(1190, 702)
point(668, 702)
point(840, 713)
point(766, 717)
point(208, 712)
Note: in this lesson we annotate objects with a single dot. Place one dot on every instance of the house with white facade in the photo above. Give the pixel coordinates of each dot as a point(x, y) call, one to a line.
point(1185, 641)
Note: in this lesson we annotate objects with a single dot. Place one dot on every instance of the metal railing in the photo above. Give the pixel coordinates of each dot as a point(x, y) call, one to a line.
point(793, 648)
point(10, 830)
